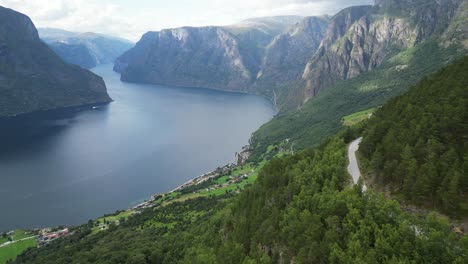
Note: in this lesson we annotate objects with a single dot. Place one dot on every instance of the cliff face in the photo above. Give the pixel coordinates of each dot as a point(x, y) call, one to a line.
point(77, 54)
point(84, 49)
point(193, 57)
point(292, 63)
point(212, 57)
point(33, 77)
point(288, 53)
point(360, 42)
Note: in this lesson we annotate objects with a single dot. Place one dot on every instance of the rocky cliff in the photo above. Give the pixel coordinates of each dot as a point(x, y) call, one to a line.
point(226, 58)
point(292, 63)
point(33, 77)
point(77, 54)
point(84, 49)
point(194, 57)
point(287, 55)
point(360, 39)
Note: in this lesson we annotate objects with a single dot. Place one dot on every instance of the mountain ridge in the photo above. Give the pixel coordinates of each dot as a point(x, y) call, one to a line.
point(86, 49)
point(290, 69)
point(33, 77)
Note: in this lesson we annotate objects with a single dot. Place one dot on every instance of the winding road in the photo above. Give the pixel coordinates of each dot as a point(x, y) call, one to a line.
point(353, 167)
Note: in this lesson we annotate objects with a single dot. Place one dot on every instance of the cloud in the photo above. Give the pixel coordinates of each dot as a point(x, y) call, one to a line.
point(132, 18)
point(75, 15)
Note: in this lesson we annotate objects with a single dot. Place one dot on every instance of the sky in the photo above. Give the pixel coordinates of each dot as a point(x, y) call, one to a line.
point(131, 18)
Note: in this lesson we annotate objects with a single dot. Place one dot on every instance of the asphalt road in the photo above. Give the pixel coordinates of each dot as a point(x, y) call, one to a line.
point(353, 167)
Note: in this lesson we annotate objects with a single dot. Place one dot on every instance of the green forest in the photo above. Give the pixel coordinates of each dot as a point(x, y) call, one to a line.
point(321, 117)
point(303, 207)
point(417, 142)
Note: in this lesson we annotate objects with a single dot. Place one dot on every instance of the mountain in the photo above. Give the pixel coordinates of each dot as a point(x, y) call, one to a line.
point(416, 143)
point(33, 77)
point(300, 209)
point(226, 58)
point(296, 64)
point(84, 49)
point(322, 108)
point(194, 57)
point(288, 53)
point(372, 36)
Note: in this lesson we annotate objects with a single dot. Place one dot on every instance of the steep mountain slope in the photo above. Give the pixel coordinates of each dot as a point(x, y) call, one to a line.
point(33, 77)
point(212, 57)
point(321, 116)
point(286, 56)
point(389, 27)
point(193, 57)
point(84, 49)
point(417, 142)
point(293, 66)
point(77, 54)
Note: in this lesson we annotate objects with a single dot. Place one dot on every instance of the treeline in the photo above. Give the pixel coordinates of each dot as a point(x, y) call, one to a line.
point(417, 143)
point(300, 210)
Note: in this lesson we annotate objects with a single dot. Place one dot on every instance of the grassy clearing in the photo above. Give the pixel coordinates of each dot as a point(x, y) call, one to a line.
point(20, 234)
point(115, 218)
point(358, 117)
point(11, 251)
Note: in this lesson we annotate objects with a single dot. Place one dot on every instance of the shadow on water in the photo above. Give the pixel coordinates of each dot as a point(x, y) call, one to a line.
point(29, 132)
point(70, 165)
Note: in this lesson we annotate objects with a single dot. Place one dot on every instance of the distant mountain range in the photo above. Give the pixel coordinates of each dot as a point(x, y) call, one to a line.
point(292, 59)
point(33, 77)
point(212, 57)
point(84, 49)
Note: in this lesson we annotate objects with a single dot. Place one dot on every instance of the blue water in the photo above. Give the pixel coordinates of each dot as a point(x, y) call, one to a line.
point(65, 167)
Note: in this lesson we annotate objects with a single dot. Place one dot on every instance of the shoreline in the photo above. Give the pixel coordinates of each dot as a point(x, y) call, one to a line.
point(241, 157)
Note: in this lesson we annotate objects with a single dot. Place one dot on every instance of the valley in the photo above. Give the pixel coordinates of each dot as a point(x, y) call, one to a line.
point(56, 165)
point(355, 124)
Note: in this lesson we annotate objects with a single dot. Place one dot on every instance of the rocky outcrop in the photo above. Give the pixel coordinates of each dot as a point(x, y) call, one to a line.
point(362, 38)
point(287, 55)
point(84, 49)
point(33, 77)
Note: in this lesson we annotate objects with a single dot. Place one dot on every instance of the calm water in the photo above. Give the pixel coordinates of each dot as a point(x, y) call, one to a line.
point(69, 166)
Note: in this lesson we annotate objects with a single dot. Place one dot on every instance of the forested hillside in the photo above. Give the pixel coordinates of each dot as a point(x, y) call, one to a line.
point(321, 116)
point(303, 207)
point(300, 210)
point(417, 142)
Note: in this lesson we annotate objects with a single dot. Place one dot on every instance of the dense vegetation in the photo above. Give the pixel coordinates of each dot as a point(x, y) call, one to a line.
point(321, 117)
point(300, 209)
point(417, 142)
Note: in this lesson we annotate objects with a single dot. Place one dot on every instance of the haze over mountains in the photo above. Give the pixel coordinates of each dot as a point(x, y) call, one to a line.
point(84, 49)
point(210, 57)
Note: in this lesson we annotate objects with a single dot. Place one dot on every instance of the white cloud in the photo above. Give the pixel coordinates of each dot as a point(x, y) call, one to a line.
point(131, 18)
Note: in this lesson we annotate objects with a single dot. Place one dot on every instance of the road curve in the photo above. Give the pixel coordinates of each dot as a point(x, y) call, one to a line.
point(353, 167)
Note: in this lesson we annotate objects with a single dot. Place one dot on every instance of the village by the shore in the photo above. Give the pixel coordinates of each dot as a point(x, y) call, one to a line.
point(44, 236)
